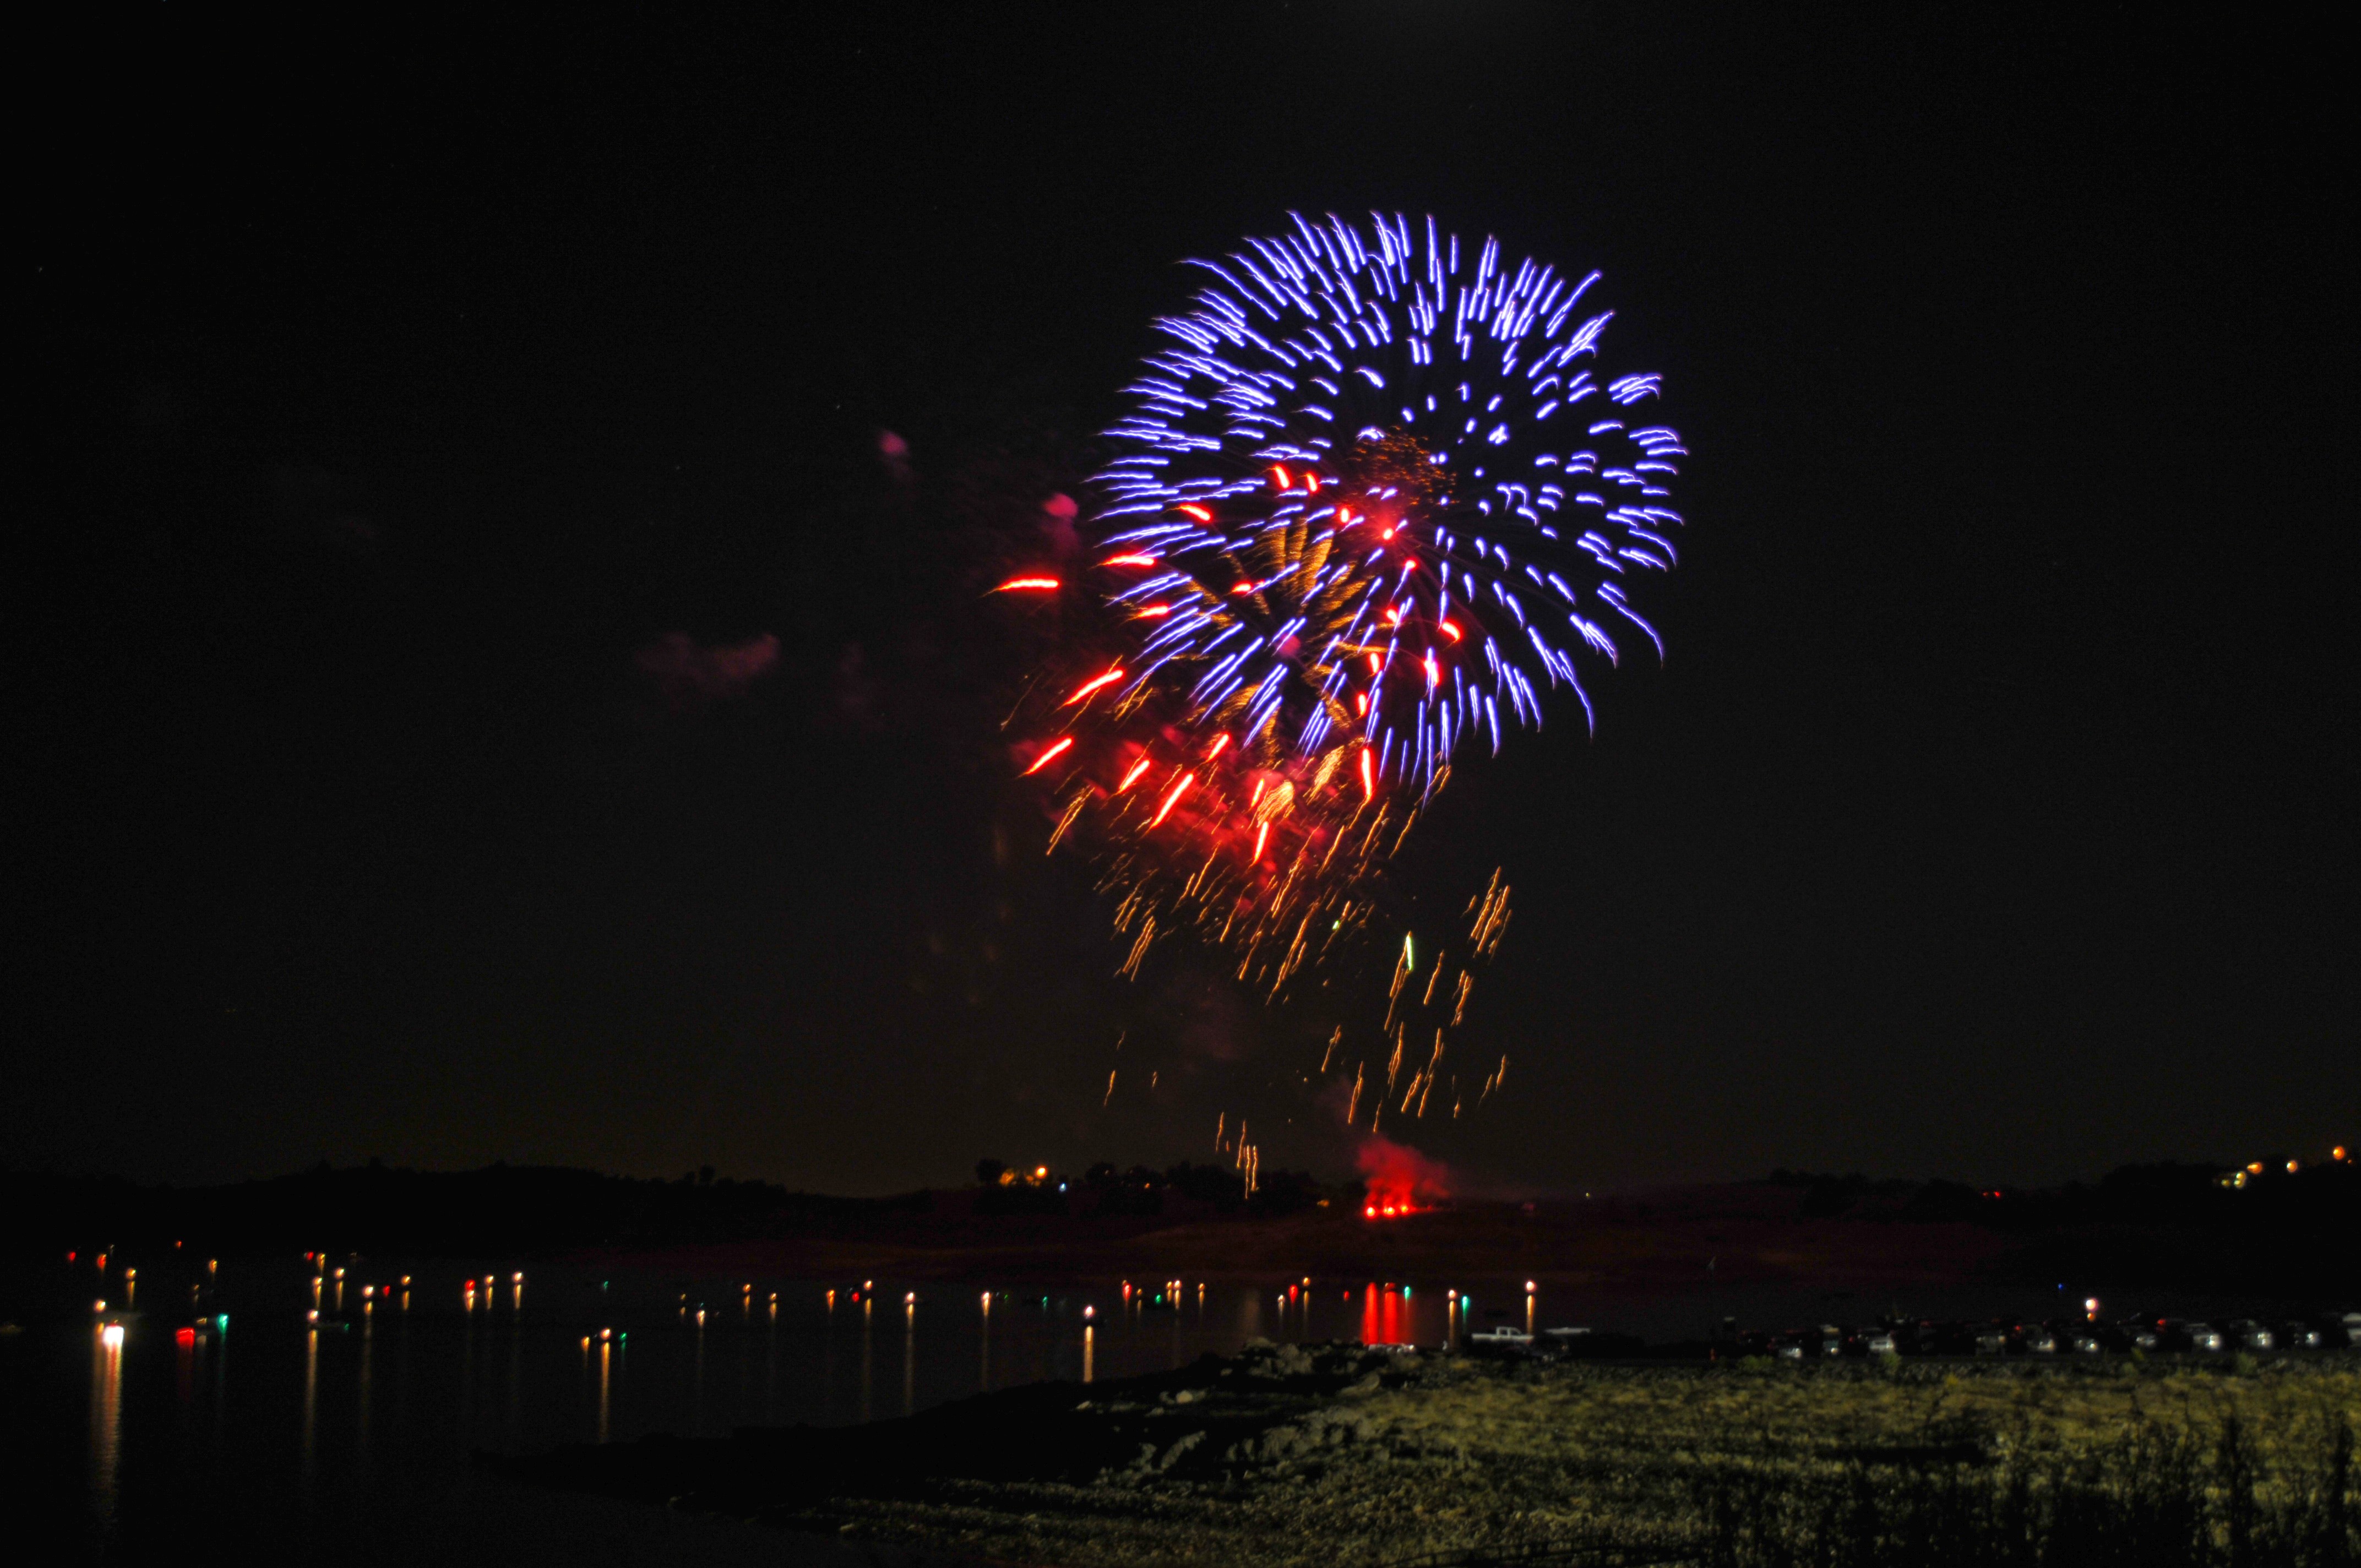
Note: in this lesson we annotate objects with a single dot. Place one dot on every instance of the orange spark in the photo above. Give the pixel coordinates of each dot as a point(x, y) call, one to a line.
point(1051, 755)
point(1282, 478)
point(1368, 775)
point(1091, 686)
point(1450, 631)
point(1151, 611)
point(1129, 561)
point(1220, 744)
point(1200, 513)
point(1262, 837)
point(1132, 777)
point(1173, 799)
point(1037, 583)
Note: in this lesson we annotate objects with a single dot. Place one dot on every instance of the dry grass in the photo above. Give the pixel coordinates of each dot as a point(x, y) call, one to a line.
point(1843, 1463)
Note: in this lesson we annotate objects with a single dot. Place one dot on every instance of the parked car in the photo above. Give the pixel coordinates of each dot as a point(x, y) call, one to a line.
point(1911, 1336)
point(2244, 1334)
point(2076, 1337)
point(2184, 1335)
point(2335, 1332)
point(1870, 1342)
point(1992, 1340)
point(2032, 1339)
point(1950, 1339)
point(1500, 1339)
point(2300, 1336)
point(2126, 1335)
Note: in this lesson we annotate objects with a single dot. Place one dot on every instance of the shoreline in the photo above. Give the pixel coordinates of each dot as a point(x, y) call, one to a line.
point(1322, 1453)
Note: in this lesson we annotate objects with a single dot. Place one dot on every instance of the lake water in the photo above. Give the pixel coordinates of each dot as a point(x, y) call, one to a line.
point(208, 1406)
point(209, 1409)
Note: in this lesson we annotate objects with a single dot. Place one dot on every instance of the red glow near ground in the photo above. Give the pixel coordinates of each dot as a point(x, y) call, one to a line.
point(1399, 1179)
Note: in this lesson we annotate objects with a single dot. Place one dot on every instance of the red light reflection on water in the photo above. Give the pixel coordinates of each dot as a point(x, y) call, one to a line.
point(1385, 1316)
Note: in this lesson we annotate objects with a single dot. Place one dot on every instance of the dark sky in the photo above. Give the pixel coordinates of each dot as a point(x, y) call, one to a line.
point(414, 412)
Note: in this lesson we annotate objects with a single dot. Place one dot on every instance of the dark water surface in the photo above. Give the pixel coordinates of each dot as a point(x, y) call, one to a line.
point(214, 1409)
point(223, 1415)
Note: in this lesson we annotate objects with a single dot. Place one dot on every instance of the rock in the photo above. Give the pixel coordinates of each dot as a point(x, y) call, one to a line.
point(1172, 1455)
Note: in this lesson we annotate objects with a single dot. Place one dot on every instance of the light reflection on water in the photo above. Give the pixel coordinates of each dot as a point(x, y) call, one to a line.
point(105, 1424)
point(322, 1416)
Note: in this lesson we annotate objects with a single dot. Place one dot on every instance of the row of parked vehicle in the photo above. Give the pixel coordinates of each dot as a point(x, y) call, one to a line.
point(2060, 1336)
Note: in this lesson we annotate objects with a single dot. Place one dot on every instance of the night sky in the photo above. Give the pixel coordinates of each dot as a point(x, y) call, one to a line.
point(480, 688)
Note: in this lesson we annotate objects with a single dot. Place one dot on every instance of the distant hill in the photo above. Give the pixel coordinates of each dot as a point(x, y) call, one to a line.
point(2184, 1225)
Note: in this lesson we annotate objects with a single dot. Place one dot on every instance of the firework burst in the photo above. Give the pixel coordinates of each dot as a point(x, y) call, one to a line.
point(1376, 500)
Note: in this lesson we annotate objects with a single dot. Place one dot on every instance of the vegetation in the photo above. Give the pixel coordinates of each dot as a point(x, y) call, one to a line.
point(1294, 1455)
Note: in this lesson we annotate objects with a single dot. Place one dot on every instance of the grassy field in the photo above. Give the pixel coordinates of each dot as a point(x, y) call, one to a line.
point(1289, 1457)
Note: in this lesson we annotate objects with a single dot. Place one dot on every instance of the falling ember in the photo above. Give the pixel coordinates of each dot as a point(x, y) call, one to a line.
point(1190, 510)
point(1173, 799)
point(1129, 560)
point(1019, 584)
point(1132, 777)
point(1097, 684)
point(1262, 837)
point(1057, 748)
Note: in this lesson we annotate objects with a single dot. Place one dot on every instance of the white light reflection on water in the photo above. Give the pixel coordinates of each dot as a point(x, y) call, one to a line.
point(105, 1426)
point(910, 1354)
point(310, 1406)
point(361, 1398)
point(605, 1387)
